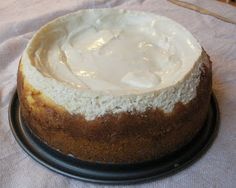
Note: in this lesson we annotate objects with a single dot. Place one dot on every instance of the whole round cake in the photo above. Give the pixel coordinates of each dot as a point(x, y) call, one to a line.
point(114, 86)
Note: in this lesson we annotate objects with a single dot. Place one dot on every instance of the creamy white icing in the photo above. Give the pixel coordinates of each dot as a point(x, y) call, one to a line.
point(131, 61)
point(121, 51)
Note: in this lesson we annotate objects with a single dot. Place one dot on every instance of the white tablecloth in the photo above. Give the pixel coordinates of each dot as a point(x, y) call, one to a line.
point(20, 19)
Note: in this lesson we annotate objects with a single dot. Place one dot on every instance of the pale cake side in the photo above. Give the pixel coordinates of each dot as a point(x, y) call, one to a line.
point(114, 138)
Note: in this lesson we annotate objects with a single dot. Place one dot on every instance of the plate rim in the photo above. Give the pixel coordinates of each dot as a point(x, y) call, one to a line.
point(211, 137)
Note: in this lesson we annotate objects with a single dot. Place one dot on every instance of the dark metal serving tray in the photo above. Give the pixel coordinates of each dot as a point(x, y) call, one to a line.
point(113, 173)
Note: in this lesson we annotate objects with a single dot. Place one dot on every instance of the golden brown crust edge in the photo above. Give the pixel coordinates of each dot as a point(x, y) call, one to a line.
point(119, 138)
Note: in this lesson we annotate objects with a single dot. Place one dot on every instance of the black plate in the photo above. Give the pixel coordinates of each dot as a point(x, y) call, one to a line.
point(113, 173)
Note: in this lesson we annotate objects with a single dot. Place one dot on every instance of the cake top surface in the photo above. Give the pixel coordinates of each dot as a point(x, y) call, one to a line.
point(113, 50)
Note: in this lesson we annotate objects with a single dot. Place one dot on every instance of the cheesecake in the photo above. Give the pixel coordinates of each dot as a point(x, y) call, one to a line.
point(114, 86)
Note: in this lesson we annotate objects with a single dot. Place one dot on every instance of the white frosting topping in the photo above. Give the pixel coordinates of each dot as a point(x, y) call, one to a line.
point(101, 61)
point(114, 51)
